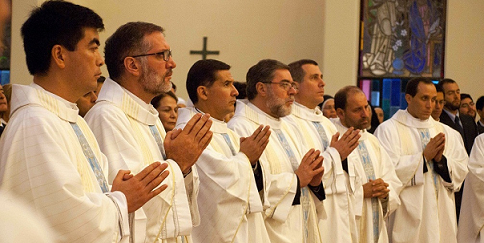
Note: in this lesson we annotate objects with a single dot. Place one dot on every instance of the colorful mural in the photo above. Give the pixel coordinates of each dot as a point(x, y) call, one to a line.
point(399, 39)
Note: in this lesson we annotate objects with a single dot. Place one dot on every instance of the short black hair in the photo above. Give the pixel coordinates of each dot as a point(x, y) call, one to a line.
point(156, 101)
point(203, 73)
point(439, 88)
point(297, 72)
point(464, 96)
point(480, 103)
point(126, 41)
point(341, 97)
point(242, 89)
point(263, 72)
point(446, 81)
point(412, 85)
point(55, 23)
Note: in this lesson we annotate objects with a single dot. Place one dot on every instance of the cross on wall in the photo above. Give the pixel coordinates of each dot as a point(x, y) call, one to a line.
point(204, 52)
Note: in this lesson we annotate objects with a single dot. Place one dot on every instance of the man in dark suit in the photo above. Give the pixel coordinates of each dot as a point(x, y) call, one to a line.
point(464, 124)
point(480, 111)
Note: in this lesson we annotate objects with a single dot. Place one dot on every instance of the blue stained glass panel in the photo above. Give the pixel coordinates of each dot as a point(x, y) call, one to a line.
point(395, 99)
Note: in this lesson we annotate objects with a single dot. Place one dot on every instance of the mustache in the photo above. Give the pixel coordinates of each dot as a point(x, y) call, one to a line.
point(169, 73)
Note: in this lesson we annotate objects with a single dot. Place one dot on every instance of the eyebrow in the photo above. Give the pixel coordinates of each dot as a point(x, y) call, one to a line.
point(95, 41)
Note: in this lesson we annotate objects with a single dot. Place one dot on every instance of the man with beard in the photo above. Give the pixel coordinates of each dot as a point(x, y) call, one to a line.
point(464, 124)
point(292, 189)
point(131, 135)
point(227, 178)
point(451, 117)
point(339, 176)
point(467, 105)
point(430, 161)
point(378, 184)
point(50, 158)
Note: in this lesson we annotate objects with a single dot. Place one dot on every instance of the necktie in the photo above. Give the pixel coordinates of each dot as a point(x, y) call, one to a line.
point(322, 134)
point(370, 174)
point(2, 127)
point(229, 143)
point(304, 191)
point(157, 137)
point(459, 126)
point(86, 149)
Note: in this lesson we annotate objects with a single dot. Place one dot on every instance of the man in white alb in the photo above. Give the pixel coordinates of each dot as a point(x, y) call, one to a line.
point(130, 132)
point(50, 158)
point(292, 189)
point(318, 132)
point(471, 221)
point(226, 167)
point(431, 162)
point(378, 179)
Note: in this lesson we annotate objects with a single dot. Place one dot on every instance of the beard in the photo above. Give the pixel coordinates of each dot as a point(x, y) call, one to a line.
point(451, 106)
point(152, 82)
point(277, 106)
point(362, 124)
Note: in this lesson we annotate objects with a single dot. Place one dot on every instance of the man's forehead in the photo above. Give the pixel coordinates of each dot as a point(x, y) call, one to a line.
point(311, 68)
point(91, 36)
point(450, 86)
point(426, 88)
point(224, 75)
point(282, 74)
point(157, 41)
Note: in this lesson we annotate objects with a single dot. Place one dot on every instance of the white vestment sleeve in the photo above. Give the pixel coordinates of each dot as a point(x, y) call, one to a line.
point(192, 184)
point(40, 165)
point(409, 168)
point(122, 205)
point(168, 214)
point(457, 159)
point(279, 189)
point(471, 221)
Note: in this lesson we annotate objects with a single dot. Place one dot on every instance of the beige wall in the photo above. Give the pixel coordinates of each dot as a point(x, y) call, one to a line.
point(247, 31)
point(243, 31)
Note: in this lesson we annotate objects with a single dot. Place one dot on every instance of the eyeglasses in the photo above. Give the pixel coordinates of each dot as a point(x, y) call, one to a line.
point(467, 105)
point(165, 55)
point(284, 84)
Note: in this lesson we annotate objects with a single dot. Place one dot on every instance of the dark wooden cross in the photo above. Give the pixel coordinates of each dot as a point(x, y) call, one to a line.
point(204, 52)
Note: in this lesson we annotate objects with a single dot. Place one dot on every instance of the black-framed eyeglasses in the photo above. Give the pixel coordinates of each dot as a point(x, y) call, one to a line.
point(284, 84)
point(165, 55)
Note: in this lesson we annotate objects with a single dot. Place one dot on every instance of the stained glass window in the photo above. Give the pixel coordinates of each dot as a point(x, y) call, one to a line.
point(5, 55)
point(399, 39)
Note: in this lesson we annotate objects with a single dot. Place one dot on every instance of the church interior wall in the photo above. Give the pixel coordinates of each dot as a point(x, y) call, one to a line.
point(247, 31)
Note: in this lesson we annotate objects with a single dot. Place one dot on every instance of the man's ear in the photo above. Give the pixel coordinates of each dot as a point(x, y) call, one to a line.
point(58, 56)
point(261, 89)
point(340, 112)
point(202, 93)
point(132, 66)
point(408, 98)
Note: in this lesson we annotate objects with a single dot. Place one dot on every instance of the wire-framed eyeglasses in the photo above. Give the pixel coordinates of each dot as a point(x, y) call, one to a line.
point(165, 55)
point(284, 84)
